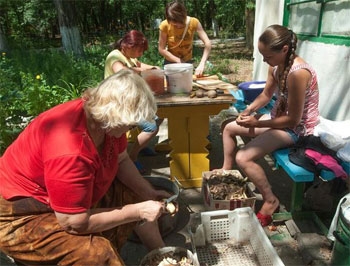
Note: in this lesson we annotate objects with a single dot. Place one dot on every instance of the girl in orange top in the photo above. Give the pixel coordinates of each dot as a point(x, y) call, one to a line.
point(174, 44)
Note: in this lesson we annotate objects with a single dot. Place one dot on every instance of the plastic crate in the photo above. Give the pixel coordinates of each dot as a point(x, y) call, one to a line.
point(232, 238)
point(251, 89)
point(211, 204)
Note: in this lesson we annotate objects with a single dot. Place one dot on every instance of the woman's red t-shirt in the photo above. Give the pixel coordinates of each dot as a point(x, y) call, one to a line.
point(54, 160)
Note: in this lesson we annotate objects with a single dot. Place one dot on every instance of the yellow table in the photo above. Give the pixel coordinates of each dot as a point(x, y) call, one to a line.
point(188, 129)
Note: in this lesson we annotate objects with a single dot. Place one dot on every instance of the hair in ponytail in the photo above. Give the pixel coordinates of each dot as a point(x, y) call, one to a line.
point(132, 39)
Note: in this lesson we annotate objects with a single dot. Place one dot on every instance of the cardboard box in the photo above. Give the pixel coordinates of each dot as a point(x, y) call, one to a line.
point(211, 204)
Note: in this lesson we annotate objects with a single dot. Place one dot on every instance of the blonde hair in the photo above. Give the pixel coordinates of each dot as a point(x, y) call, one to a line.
point(122, 99)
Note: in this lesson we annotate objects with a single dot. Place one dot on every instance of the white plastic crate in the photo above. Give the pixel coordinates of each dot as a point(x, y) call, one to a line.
point(233, 238)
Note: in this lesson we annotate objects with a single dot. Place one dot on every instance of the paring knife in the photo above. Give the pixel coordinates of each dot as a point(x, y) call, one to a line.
point(170, 199)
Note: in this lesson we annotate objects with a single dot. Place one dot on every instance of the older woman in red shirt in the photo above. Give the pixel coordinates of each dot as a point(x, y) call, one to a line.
point(69, 192)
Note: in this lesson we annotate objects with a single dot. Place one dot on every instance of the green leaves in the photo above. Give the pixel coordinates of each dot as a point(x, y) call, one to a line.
point(32, 82)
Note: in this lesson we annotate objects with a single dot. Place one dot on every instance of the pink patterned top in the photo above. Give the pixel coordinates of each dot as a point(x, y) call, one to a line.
point(310, 116)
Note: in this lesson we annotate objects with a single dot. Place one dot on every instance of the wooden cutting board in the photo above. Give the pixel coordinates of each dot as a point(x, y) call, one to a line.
point(205, 77)
point(213, 84)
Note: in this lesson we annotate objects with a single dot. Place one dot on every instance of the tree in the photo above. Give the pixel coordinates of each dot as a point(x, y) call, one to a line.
point(68, 27)
point(250, 20)
point(212, 8)
point(3, 39)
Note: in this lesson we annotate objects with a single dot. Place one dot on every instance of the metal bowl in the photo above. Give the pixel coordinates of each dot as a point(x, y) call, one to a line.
point(157, 255)
point(163, 183)
point(167, 222)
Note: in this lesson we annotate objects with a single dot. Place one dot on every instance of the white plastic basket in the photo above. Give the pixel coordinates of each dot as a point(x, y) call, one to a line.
point(233, 238)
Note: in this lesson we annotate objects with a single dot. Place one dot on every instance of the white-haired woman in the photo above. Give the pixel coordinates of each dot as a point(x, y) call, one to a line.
point(69, 192)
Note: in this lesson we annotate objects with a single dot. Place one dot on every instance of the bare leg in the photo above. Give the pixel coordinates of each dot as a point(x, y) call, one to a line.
point(150, 235)
point(246, 160)
point(229, 138)
point(229, 145)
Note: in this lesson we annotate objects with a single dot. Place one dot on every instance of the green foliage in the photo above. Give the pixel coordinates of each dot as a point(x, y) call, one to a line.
point(36, 74)
point(32, 82)
point(9, 93)
point(152, 56)
point(221, 67)
point(33, 23)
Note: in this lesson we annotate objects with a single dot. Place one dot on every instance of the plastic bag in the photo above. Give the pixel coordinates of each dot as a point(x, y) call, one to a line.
point(333, 134)
point(344, 152)
point(334, 142)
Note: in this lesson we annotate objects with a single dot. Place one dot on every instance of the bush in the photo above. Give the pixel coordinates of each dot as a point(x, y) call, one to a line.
point(34, 81)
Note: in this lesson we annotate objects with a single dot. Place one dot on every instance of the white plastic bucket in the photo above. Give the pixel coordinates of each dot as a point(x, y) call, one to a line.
point(179, 77)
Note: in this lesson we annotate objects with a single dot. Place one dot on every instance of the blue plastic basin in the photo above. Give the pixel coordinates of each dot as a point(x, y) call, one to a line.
point(251, 89)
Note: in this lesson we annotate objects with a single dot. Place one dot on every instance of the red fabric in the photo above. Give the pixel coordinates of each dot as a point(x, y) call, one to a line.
point(328, 161)
point(55, 153)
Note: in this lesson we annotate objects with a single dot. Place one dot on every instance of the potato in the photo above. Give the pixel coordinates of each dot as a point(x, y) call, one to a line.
point(170, 207)
point(212, 94)
point(199, 93)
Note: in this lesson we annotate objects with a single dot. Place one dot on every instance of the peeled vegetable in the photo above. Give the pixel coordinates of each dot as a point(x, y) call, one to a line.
point(170, 207)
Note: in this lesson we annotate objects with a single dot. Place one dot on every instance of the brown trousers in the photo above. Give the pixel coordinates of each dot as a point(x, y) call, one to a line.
point(30, 233)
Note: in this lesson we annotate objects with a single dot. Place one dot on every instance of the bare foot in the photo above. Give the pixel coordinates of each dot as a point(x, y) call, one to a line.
point(270, 206)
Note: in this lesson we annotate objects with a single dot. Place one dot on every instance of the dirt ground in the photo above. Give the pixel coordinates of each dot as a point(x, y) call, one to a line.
point(242, 70)
point(239, 57)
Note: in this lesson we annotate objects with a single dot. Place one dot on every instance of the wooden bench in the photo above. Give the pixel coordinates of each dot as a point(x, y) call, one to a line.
point(300, 176)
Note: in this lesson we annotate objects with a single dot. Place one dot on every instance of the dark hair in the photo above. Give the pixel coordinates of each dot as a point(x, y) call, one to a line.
point(175, 11)
point(132, 39)
point(275, 37)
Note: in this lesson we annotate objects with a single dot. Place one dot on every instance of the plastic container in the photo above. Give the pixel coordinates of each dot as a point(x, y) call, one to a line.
point(234, 238)
point(251, 89)
point(341, 248)
point(155, 80)
point(179, 77)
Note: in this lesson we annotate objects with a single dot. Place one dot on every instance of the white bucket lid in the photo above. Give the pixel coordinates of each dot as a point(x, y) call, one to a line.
point(176, 66)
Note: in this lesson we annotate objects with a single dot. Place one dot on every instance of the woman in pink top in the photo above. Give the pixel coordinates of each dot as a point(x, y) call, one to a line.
point(294, 114)
point(69, 192)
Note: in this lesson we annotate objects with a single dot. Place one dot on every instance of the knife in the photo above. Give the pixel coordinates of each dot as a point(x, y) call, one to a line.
point(170, 199)
point(167, 201)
